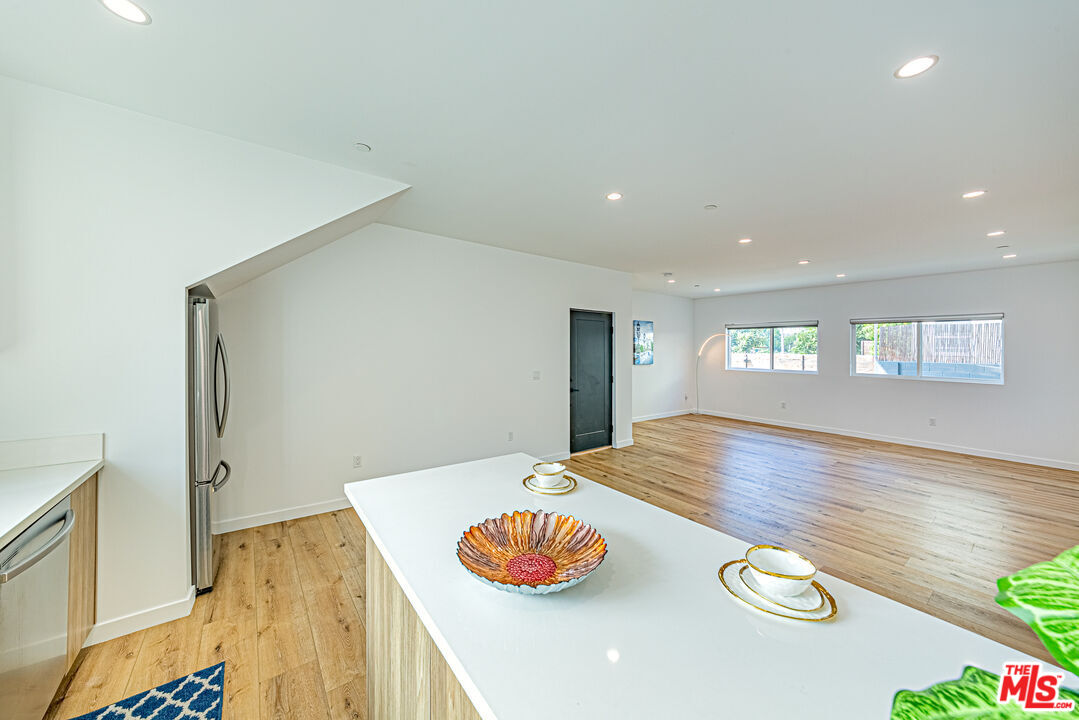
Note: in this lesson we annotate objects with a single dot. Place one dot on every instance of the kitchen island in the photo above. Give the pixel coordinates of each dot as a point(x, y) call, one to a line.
point(652, 633)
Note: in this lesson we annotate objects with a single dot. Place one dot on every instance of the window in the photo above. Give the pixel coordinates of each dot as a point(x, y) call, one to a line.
point(968, 349)
point(779, 347)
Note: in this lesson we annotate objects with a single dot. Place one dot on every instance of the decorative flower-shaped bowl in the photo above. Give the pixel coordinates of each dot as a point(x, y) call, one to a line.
point(531, 553)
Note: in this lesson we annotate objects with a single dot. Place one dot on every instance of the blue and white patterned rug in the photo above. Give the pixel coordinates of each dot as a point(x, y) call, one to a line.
point(197, 696)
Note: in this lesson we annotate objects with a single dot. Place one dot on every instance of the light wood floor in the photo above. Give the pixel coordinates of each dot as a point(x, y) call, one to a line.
point(286, 614)
point(930, 529)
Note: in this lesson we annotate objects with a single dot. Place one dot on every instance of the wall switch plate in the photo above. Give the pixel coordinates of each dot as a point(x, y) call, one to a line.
point(510, 436)
point(932, 422)
point(783, 404)
point(357, 461)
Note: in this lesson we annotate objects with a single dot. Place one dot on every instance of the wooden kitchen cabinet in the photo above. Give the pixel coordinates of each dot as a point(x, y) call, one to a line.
point(407, 676)
point(82, 570)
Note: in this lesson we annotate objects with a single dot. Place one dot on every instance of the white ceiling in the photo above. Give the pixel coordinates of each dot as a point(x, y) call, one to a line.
point(513, 120)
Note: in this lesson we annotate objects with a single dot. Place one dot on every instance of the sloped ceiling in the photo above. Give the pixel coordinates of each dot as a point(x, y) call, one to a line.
point(513, 121)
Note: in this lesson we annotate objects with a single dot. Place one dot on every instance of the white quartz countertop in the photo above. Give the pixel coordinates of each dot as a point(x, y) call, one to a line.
point(27, 493)
point(651, 633)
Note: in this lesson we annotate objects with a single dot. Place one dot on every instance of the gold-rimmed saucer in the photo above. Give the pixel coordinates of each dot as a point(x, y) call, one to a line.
point(728, 575)
point(559, 490)
point(748, 580)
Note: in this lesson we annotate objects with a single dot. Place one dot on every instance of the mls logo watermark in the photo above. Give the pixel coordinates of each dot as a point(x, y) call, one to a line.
point(1026, 684)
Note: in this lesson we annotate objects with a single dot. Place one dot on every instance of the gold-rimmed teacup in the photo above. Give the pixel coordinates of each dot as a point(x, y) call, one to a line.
point(779, 571)
point(548, 474)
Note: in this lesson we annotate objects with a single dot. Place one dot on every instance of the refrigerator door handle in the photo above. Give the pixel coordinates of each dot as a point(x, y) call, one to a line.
point(218, 484)
point(221, 412)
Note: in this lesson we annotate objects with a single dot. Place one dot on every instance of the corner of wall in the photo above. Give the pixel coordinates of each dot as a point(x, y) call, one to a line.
point(127, 624)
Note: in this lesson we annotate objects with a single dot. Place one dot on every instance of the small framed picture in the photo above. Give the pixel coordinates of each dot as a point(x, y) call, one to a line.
point(642, 342)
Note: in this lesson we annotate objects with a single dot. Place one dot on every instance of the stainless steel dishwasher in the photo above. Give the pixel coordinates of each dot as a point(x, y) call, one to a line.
point(33, 614)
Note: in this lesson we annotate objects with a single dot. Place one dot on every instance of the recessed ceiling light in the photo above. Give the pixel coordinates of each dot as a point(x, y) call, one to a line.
point(841, 275)
point(973, 194)
point(803, 262)
point(995, 233)
point(614, 196)
point(917, 66)
point(1009, 256)
point(362, 146)
point(128, 11)
point(711, 206)
point(745, 241)
point(715, 290)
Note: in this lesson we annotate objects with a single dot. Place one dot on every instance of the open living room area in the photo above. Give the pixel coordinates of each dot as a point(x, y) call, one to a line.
point(406, 361)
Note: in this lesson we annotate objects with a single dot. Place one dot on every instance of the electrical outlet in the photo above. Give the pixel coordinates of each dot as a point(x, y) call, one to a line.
point(510, 436)
point(357, 461)
point(535, 374)
point(932, 422)
point(782, 404)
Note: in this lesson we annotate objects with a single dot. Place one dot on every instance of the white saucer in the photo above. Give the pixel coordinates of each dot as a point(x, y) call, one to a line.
point(562, 489)
point(809, 601)
point(728, 575)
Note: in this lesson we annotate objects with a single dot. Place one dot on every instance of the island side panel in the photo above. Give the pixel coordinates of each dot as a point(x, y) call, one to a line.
point(398, 649)
point(407, 677)
point(448, 699)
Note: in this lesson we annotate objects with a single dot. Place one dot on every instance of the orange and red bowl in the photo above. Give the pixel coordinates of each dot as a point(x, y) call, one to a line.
point(532, 553)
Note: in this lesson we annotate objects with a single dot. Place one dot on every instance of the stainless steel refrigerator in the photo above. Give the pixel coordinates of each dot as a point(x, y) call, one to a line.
point(208, 402)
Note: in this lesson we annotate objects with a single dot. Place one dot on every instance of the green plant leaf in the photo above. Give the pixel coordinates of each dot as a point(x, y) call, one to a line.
point(972, 697)
point(1046, 597)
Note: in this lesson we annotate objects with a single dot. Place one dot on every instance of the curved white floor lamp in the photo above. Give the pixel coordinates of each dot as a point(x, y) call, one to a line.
point(697, 375)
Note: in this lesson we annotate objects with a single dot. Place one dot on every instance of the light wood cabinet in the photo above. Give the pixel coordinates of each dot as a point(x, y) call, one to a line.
point(82, 569)
point(407, 677)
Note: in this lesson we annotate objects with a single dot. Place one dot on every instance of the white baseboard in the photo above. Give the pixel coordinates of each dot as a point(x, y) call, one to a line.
point(657, 416)
point(291, 513)
point(565, 454)
point(109, 629)
point(126, 624)
point(979, 452)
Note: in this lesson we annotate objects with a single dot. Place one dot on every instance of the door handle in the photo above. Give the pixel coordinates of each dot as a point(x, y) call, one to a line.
point(222, 414)
point(574, 390)
point(217, 484)
point(41, 552)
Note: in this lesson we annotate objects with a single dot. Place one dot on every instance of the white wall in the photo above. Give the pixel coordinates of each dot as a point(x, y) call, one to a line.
point(665, 388)
point(111, 215)
point(412, 350)
point(1033, 417)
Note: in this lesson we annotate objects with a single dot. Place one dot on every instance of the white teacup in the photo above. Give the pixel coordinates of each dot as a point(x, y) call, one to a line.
point(548, 475)
point(779, 571)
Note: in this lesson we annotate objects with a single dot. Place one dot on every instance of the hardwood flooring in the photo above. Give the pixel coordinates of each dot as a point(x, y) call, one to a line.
point(930, 529)
point(286, 614)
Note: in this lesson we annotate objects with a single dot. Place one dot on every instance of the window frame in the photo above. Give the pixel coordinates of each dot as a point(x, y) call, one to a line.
point(771, 327)
point(917, 321)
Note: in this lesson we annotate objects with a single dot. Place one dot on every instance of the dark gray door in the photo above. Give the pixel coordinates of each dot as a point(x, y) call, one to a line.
point(590, 380)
